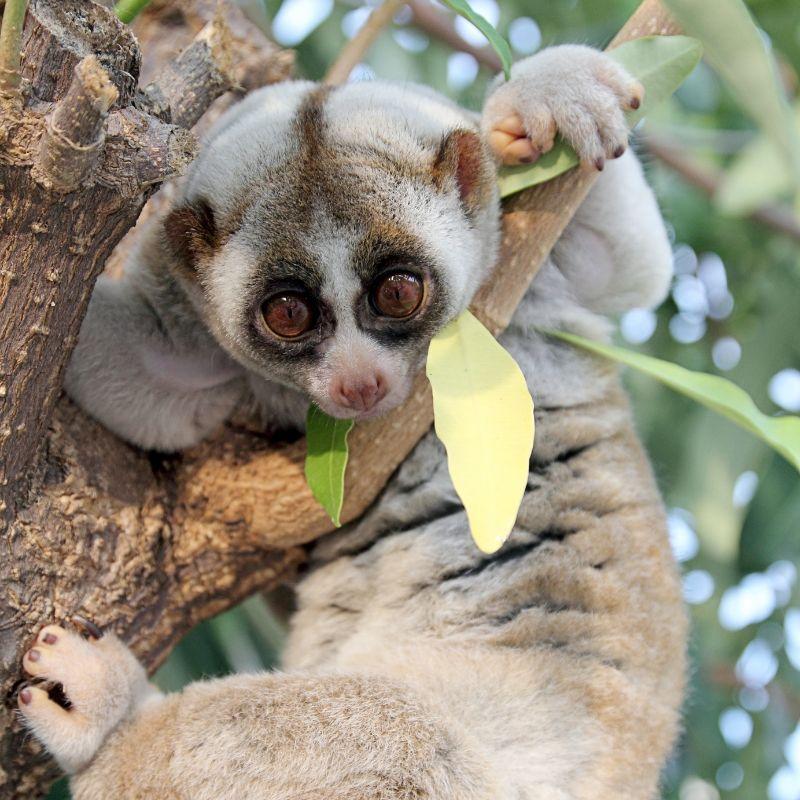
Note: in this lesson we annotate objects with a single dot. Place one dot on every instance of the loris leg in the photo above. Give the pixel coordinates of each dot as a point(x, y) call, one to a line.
point(103, 684)
point(269, 736)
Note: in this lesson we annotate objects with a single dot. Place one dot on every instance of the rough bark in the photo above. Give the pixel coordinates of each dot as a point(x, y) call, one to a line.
point(87, 522)
point(151, 546)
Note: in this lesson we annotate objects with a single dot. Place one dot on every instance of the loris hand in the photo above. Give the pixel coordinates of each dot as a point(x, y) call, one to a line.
point(573, 90)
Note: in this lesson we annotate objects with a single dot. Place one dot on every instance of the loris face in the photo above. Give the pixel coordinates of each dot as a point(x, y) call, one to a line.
point(324, 250)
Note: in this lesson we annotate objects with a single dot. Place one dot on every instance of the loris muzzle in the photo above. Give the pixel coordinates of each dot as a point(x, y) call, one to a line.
point(326, 255)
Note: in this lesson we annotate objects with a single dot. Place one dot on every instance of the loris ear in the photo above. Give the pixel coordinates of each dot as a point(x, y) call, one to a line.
point(464, 157)
point(191, 232)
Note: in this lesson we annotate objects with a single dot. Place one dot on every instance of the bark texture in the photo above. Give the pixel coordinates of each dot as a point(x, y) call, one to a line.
point(88, 523)
point(149, 546)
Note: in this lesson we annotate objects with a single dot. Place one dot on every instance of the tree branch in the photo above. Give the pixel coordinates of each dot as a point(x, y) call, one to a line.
point(199, 75)
point(778, 218)
point(441, 25)
point(10, 41)
point(89, 524)
point(353, 52)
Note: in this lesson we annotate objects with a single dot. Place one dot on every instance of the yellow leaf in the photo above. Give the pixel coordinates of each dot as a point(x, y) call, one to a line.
point(483, 414)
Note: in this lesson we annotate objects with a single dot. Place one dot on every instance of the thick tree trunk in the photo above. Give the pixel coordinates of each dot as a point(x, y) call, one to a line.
point(151, 546)
point(89, 524)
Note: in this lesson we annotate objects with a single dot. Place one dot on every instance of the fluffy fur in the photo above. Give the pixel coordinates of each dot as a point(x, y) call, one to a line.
point(418, 667)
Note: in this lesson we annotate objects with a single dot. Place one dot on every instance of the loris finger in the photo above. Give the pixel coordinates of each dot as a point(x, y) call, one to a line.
point(520, 151)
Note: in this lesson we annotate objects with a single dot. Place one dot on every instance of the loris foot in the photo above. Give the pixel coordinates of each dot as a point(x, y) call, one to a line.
point(573, 90)
point(98, 681)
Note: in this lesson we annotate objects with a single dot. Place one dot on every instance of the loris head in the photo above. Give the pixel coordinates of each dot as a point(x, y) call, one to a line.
point(325, 236)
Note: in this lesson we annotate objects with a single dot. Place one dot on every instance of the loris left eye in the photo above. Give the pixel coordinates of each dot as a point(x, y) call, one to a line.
point(288, 314)
point(397, 294)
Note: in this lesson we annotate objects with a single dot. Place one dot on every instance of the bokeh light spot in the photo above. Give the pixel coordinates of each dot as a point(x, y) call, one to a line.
point(462, 69)
point(524, 35)
point(784, 389)
point(296, 19)
point(638, 325)
point(730, 776)
point(726, 353)
point(486, 8)
point(698, 587)
point(736, 727)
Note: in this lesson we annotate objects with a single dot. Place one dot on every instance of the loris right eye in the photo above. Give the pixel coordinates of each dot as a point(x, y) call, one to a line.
point(288, 314)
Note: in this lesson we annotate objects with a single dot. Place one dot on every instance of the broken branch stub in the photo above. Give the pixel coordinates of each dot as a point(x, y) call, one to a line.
point(73, 138)
point(199, 75)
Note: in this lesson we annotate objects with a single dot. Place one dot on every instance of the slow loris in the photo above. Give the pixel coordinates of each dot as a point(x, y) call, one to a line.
point(322, 237)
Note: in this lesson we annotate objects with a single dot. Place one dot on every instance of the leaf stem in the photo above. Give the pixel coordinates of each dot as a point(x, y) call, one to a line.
point(128, 10)
point(10, 39)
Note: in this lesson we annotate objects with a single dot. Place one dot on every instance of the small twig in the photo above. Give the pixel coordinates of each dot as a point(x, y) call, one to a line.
point(353, 52)
point(779, 218)
point(10, 38)
point(74, 135)
point(128, 10)
point(441, 26)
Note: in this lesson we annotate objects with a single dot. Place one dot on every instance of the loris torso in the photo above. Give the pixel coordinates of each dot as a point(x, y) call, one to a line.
point(418, 667)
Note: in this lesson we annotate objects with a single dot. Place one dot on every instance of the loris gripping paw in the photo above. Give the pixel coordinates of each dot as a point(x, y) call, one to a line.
point(572, 90)
point(98, 677)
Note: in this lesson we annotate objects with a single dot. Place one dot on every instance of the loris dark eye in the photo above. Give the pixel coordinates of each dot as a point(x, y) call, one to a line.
point(398, 294)
point(288, 314)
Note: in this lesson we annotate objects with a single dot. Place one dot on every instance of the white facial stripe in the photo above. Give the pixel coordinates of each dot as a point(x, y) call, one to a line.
point(228, 282)
point(332, 248)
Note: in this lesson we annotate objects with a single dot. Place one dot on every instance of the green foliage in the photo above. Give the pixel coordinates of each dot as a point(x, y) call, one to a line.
point(128, 10)
point(499, 44)
point(737, 51)
point(757, 176)
point(326, 459)
point(718, 394)
point(660, 63)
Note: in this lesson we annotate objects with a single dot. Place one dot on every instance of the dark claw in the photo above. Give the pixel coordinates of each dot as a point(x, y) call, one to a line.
point(618, 151)
point(635, 103)
point(600, 163)
point(87, 627)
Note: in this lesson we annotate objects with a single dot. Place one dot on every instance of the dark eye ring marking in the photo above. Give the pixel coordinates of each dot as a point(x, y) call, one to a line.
point(289, 314)
point(397, 294)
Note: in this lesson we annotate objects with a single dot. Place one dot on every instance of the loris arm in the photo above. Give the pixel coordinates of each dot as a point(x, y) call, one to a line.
point(615, 253)
point(150, 385)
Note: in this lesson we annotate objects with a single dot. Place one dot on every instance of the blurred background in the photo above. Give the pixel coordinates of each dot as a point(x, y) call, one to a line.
point(734, 310)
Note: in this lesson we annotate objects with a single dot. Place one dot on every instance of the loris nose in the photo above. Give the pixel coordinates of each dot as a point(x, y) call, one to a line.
point(359, 394)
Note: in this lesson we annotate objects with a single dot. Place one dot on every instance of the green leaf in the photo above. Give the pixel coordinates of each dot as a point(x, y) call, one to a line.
point(326, 459)
point(483, 413)
point(718, 394)
point(757, 176)
point(500, 45)
point(128, 10)
point(737, 51)
point(660, 63)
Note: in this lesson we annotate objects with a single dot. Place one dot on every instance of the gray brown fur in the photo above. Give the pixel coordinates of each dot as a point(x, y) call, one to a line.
point(418, 667)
